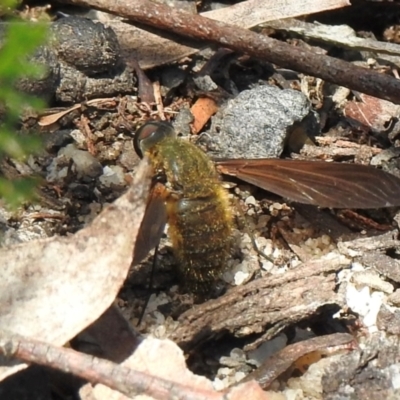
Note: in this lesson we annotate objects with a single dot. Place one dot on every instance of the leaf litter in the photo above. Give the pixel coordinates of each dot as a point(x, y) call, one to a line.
point(293, 240)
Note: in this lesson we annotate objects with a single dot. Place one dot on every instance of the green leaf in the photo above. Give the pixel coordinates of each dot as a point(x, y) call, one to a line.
point(19, 191)
point(20, 42)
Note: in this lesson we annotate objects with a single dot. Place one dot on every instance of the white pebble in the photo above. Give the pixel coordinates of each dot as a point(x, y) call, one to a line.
point(240, 277)
point(374, 307)
point(358, 300)
point(325, 239)
point(239, 376)
point(251, 201)
point(267, 265)
point(277, 206)
point(218, 384)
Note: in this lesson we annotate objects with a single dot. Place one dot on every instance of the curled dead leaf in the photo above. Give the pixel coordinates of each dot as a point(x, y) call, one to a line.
point(53, 288)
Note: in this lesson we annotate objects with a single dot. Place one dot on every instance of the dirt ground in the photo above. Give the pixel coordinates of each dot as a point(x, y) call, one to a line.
point(296, 273)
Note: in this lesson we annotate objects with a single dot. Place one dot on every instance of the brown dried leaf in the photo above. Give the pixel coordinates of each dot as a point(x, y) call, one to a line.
point(372, 112)
point(52, 289)
point(202, 111)
point(50, 119)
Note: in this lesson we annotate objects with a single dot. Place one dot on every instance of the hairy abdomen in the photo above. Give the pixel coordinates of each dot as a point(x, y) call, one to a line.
point(200, 231)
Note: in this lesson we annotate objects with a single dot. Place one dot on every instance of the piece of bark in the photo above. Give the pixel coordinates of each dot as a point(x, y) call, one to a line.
point(281, 361)
point(256, 45)
point(145, 87)
point(334, 152)
point(388, 321)
point(368, 373)
point(371, 279)
point(358, 247)
point(371, 112)
point(270, 301)
point(388, 266)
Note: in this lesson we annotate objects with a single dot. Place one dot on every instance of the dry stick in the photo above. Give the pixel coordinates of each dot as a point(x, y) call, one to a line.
point(256, 45)
point(96, 370)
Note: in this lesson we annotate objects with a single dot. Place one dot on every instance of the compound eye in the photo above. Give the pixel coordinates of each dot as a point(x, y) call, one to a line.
point(150, 134)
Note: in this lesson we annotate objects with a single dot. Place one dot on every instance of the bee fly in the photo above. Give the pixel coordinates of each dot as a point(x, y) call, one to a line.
point(195, 204)
point(187, 193)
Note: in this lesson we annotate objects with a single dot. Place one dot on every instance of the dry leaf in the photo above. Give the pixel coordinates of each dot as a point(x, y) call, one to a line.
point(202, 111)
point(47, 120)
point(372, 112)
point(50, 119)
point(52, 289)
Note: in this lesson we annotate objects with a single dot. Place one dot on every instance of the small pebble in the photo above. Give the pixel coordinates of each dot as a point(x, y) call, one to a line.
point(113, 176)
point(86, 165)
point(240, 277)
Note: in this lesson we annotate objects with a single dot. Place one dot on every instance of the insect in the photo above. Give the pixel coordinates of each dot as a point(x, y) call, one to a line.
point(196, 205)
point(187, 192)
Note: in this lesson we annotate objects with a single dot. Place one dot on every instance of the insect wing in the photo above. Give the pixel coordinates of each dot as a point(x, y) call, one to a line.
point(324, 184)
point(153, 223)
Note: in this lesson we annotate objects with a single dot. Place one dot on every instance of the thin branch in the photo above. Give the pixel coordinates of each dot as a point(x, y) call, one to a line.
point(96, 370)
point(256, 45)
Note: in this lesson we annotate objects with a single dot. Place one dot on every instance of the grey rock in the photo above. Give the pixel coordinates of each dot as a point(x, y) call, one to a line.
point(44, 85)
point(172, 77)
point(56, 140)
point(85, 45)
point(85, 165)
point(113, 176)
point(128, 158)
point(81, 61)
point(205, 83)
point(257, 122)
point(57, 170)
point(182, 122)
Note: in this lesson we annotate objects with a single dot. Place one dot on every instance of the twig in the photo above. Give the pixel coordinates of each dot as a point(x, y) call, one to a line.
point(96, 370)
point(87, 133)
point(158, 99)
point(256, 45)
